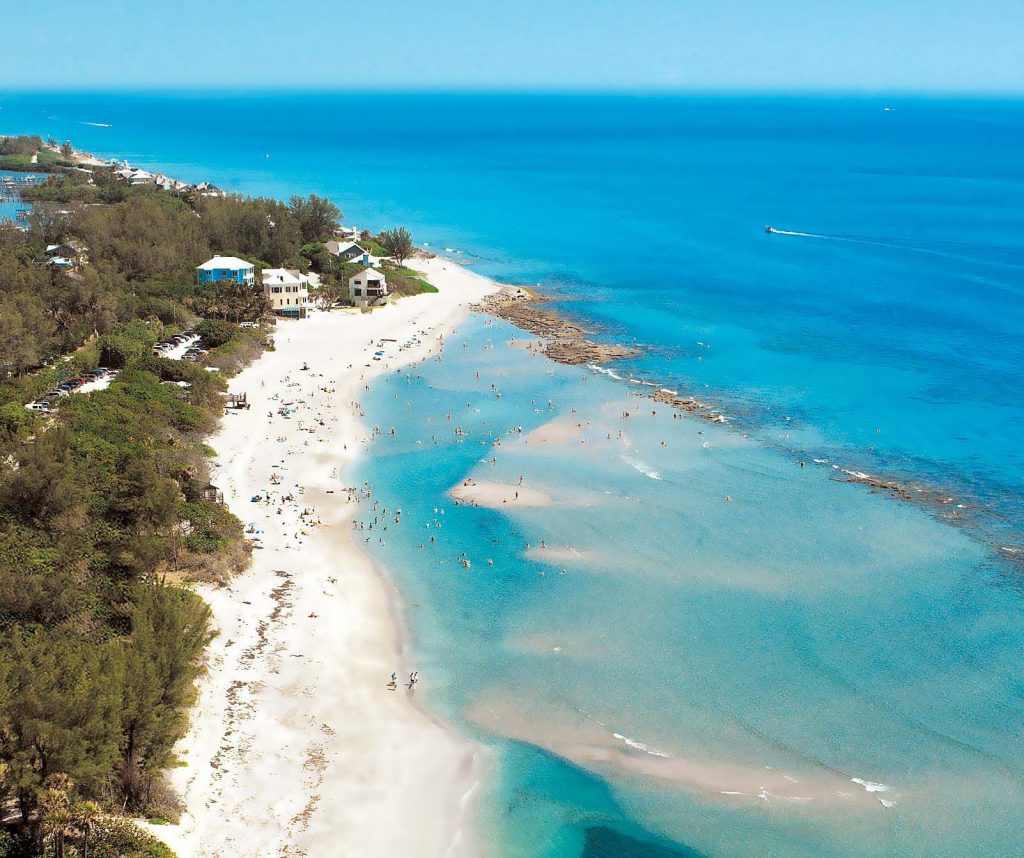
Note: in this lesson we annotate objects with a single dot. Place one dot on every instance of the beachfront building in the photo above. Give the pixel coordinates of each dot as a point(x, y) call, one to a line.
point(226, 268)
point(287, 290)
point(368, 288)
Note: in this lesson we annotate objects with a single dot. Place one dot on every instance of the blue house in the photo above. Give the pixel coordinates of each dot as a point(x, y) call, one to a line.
point(226, 268)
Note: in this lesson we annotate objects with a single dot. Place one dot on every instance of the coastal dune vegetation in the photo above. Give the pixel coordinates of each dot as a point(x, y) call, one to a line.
point(105, 508)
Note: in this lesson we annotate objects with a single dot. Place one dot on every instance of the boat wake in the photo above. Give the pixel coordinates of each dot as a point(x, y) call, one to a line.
point(98, 124)
point(955, 250)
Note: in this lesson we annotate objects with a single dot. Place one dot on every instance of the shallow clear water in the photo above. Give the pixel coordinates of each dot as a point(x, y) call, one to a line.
point(725, 608)
point(803, 624)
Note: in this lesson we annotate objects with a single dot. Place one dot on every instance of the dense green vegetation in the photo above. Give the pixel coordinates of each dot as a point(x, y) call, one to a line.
point(101, 503)
point(17, 153)
point(102, 509)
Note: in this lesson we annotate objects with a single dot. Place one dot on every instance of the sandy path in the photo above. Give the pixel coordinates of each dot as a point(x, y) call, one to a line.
point(296, 745)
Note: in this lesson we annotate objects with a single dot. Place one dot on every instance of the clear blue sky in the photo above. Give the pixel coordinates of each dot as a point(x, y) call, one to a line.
point(859, 45)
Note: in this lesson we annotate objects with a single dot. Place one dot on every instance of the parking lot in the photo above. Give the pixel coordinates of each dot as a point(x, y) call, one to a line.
point(95, 379)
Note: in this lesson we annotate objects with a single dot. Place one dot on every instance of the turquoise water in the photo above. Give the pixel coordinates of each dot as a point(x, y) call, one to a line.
point(803, 624)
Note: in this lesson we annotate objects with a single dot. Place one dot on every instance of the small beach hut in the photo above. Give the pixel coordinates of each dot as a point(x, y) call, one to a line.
point(212, 493)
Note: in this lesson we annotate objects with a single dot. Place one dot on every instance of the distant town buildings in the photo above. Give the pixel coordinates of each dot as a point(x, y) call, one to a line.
point(226, 268)
point(136, 176)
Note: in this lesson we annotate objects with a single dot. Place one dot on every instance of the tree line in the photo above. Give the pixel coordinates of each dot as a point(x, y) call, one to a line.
point(102, 508)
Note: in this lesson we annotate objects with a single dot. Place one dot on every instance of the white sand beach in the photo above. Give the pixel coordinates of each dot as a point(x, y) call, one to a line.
point(296, 745)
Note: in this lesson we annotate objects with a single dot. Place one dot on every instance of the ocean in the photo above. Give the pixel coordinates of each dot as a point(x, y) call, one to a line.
point(719, 651)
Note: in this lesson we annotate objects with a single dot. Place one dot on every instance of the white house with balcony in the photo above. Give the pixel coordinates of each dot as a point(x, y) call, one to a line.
point(288, 292)
point(368, 288)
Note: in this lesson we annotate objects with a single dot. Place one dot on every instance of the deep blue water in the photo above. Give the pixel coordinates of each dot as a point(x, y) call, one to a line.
point(805, 624)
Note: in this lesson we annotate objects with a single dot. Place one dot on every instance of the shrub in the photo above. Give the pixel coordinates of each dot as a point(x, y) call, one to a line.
point(216, 332)
point(118, 837)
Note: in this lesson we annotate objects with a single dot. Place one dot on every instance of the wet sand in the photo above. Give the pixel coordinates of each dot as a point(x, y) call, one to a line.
point(601, 749)
point(499, 495)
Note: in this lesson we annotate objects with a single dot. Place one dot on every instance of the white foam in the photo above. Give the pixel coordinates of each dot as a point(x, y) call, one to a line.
point(604, 371)
point(871, 786)
point(639, 746)
point(644, 469)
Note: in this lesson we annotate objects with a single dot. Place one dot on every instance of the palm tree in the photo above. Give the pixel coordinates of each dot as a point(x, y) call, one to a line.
point(86, 814)
point(55, 816)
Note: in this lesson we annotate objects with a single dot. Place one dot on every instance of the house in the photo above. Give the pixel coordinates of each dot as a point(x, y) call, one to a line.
point(67, 250)
point(368, 288)
point(226, 268)
point(135, 176)
point(64, 256)
point(349, 233)
point(288, 291)
point(349, 251)
point(205, 189)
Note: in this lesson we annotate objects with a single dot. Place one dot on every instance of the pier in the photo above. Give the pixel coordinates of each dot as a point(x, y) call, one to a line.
point(12, 186)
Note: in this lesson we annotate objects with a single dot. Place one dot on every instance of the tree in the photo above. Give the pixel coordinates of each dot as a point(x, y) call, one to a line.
point(55, 813)
point(397, 242)
point(85, 815)
point(317, 217)
point(328, 294)
point(67, 150)
point(169, 632)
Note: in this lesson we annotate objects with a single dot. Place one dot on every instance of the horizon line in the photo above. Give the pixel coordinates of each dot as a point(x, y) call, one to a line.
point(578, 91)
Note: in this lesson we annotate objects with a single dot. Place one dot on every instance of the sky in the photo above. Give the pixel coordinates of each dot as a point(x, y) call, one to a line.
point(866, 46)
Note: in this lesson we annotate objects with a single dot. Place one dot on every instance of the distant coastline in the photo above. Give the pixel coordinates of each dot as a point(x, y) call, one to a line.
point(566, 342)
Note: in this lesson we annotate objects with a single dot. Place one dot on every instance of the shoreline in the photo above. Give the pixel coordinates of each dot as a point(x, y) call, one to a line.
point(563, 340)
point(295, 740)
